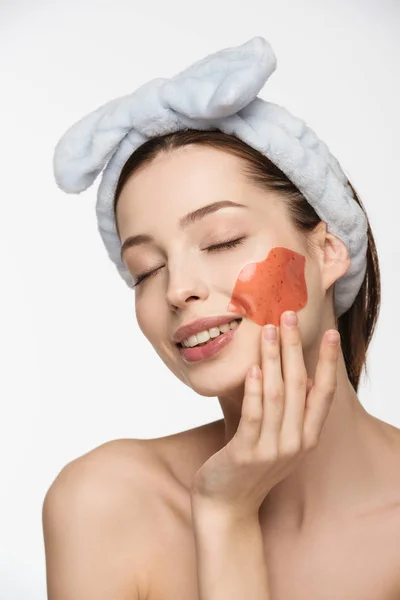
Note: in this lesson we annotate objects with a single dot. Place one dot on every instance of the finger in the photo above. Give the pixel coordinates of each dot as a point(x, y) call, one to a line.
point(295, 379)
point(273, 389)
point(319, 400)
point(248, 430)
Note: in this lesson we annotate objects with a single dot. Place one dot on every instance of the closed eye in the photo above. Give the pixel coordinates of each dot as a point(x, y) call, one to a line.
point(215, 248)
point(230, 244)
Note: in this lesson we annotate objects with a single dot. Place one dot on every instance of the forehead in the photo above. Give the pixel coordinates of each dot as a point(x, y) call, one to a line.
point(185, 173)
point(183, 180)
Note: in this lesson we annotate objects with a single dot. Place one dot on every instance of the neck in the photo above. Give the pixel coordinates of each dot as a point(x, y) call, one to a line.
point(338, 475)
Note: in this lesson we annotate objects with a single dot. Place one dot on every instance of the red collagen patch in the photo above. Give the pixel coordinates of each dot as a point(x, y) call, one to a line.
point(264, 290)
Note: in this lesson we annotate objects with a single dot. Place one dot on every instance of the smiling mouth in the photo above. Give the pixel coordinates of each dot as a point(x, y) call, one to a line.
point(211, 339)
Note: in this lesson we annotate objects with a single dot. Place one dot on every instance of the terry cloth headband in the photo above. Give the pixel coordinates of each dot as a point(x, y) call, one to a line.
point(217, 92)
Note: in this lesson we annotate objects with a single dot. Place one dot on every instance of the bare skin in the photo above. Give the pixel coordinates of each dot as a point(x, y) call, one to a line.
point(118, 520)
point(342, 556)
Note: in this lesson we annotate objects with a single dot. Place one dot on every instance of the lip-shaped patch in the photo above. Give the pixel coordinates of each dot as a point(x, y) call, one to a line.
point(264, 290)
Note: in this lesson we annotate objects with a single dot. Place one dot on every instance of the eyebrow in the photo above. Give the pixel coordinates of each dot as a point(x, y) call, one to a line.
point(184, 222)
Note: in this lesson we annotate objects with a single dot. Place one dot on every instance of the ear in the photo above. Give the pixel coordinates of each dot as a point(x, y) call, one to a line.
point(334, 256)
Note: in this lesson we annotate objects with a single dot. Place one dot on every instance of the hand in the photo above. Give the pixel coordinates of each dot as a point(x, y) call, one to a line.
point(281, 420)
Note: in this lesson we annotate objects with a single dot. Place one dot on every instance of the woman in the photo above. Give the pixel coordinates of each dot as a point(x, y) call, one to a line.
point(295, 492)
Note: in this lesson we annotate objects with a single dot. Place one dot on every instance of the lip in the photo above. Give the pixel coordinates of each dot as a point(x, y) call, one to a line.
point(201, 353)
point(201, 324)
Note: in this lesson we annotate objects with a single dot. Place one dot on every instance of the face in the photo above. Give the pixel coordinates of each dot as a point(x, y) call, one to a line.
point(190, 278)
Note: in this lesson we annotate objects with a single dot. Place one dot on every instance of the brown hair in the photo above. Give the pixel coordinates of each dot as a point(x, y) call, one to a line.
point(357, 324)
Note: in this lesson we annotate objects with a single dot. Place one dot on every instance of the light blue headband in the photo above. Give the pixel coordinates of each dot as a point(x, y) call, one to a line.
point(217, 92)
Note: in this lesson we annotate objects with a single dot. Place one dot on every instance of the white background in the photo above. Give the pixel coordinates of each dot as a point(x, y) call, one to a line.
point(75, 369)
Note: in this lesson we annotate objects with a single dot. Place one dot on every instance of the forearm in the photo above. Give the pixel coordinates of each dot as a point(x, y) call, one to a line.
point(230, 556)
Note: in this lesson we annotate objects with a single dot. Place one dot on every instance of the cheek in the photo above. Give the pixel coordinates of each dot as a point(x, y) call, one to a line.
point(264, 290)
point(146, 320)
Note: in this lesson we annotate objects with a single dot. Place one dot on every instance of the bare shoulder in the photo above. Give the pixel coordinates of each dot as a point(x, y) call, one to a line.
point(107, 513)
point(97, 523)
point(384, 521)
point(118, 468)
point(387, 470)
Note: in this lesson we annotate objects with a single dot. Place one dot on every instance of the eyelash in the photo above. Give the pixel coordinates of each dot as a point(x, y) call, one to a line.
point(215, 248)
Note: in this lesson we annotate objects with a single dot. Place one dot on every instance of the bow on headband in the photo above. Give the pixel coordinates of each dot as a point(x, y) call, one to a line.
point(217, 92)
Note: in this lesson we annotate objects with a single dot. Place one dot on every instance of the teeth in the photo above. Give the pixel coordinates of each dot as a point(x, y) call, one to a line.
point(204, 336)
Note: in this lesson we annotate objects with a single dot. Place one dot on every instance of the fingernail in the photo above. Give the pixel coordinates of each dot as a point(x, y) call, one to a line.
point(255, 372)
point(270, 333)
point(290, 319)
point(333, 337)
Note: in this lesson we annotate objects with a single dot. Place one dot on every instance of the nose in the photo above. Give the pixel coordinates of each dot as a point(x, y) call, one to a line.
point(186, 284)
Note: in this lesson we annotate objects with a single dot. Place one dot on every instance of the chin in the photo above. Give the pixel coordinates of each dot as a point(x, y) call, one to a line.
point(225, 373)
point(221, 384)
